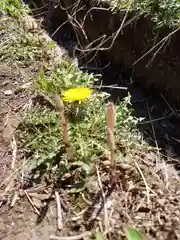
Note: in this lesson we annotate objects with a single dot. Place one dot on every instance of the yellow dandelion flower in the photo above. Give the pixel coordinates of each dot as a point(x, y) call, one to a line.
point(77, 94)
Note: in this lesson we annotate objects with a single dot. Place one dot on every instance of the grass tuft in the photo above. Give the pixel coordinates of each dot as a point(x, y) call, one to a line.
point(14, 8)
point(41, 131)
point(19, 44)
point(65, 76)
point(163, 12)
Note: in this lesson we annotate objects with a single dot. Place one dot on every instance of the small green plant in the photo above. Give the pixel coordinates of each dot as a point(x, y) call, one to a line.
point(133, 234)
point(163, 12)
point(22, 46)
point(99, 236)
point(14, 8)
point(66, 75)
point(42, 135)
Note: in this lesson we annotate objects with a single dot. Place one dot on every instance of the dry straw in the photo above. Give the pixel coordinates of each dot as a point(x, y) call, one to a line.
point(64, 124)
point(111, 122)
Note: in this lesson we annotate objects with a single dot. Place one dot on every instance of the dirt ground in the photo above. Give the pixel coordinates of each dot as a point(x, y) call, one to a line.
point(11, 107)
point(18, 222)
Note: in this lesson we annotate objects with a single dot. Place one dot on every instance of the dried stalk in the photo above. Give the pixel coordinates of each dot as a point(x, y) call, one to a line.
point(64, 124)
point(77, 237)
point(14, 152)
point(31, 202)
point(59, 211)
point(111, 121)
point(106, 219)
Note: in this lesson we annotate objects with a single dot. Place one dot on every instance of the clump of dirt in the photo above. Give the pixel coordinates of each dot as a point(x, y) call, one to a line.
point(20, 222)
point(146, 196)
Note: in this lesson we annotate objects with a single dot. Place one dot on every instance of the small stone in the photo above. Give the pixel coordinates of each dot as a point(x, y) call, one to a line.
point(159, 192)
point(8, 92)
point(66, 176)
point(106, 163)
point(109, 204)
point(147, 223)
point(161, 202)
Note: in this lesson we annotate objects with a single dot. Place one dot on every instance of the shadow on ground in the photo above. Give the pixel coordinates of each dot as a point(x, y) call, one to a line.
point(161, 124)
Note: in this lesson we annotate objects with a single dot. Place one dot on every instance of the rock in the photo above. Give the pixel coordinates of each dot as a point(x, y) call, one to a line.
point(8, 92)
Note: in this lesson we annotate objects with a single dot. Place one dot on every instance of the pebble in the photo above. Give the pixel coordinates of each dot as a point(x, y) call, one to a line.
point(8, 92)
point(2, 14)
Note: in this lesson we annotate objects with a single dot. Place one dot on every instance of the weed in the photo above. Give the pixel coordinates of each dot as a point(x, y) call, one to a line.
point(64, 76)
point(21, 45)
point(133, 234)
point(41, 134)
point(163, 12)
point(14, 8)
point(99, 236)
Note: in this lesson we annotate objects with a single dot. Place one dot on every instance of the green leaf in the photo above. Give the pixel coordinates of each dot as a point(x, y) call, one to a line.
point(133, 234)
point(52, 45)
point(42, 75)
point(99, 236)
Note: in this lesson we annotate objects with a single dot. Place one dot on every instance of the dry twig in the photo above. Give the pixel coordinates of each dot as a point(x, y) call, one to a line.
point(155, 46)
point(174, 112)
point(154, 135)
point(64, 124)
point(111, 121)
point(14, 151)
point(14, 199)
point(106, 220)
point(78, 26)
point(110, 86)
point(145, 182)
point(105, 40)
point(10, 178)
point(31, 202)
point(77, 237)
point(59, 211)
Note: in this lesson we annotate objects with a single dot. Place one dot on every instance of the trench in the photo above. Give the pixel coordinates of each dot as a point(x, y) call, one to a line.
point(154, 96)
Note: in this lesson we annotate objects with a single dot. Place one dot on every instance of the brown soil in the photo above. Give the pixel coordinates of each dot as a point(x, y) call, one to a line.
point(12, 104)
point(18, 222)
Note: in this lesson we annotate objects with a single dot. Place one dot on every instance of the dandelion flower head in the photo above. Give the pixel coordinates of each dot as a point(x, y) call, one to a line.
point(77, 94)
